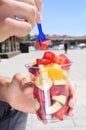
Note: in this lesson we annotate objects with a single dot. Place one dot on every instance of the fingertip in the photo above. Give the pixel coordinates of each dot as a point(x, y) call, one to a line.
point(72, 102)
point(72, 87)
point(39, 4)
point(39, 18)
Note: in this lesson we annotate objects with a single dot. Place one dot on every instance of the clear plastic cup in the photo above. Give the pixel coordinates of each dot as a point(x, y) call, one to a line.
point(51, 91)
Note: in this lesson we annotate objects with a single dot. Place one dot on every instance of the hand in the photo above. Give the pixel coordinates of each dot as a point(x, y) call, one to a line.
point(29, 10)
point(72, 98)
point(20, 94)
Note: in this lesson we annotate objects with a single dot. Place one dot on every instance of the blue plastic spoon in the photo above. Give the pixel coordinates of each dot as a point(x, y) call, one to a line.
point(41, 36)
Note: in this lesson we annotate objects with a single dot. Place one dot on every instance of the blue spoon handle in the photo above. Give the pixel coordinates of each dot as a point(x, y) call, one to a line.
point(39, 27)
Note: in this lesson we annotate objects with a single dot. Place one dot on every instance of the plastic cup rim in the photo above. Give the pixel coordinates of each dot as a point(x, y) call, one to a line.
point(29, 65)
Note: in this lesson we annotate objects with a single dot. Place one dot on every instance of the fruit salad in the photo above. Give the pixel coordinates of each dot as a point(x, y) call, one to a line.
point(50, 74)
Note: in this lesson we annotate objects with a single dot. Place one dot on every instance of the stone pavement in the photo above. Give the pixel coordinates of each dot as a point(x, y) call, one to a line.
point(8, 67)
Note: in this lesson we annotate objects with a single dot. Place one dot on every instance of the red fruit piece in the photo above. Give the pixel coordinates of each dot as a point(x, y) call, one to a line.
point(39, 94)
point(45, 61)
point(54, 90)
point(60, 113)
point(64, 59)
point(66, 91)
point(48, 55)
point(41, 114)
point(58, 90)
point(38, 61)
point(43, 45)
point(56, 59)
point(34, 70)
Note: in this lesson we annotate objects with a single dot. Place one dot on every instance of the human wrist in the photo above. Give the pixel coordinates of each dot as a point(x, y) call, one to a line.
point(4, 84)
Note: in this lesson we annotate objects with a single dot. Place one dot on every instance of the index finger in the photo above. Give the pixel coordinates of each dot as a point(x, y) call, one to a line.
point(71, 87)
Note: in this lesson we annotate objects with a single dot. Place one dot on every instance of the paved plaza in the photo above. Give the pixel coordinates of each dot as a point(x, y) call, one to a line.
point(8, 67)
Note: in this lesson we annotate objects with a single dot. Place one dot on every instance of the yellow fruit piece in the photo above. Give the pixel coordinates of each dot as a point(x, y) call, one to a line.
point(44, 69)
point(61, 99)
point(34, 63)
point(60, 82)
point(37, 104)
point(52, 109)
point(55, 73)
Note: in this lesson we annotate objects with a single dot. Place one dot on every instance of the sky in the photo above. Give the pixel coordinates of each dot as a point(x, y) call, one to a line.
point(63, 17)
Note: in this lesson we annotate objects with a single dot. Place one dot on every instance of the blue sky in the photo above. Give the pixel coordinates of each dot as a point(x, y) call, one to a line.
point(63, 17)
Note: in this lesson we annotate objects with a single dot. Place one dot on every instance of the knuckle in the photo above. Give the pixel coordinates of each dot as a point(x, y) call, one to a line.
point(23, 30)
point(17, 76)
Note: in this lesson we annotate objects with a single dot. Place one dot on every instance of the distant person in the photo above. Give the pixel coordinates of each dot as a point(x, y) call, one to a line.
point(65, 48)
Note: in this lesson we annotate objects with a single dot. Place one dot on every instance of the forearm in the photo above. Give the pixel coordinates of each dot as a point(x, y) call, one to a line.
point(4, 83)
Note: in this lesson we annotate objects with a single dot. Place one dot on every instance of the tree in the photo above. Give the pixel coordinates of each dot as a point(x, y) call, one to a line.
point(26, 38)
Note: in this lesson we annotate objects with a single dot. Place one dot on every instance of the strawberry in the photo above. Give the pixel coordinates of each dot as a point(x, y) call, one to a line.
point(38, 61)
point(45, 61)
point(63, 59)
point(56, 59)
point(48, 55)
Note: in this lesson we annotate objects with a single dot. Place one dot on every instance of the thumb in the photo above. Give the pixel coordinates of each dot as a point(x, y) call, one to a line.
point(39, 18)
